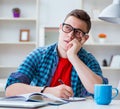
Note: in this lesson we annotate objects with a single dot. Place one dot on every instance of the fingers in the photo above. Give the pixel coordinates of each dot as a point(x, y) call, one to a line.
point(69, 91)
point(79, 39)
point(62, 91)
point(69, 46)
point(84, 39)
point(66, 91)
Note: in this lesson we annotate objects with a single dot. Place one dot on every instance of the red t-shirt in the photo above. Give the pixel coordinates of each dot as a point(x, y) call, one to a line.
point(62, 72)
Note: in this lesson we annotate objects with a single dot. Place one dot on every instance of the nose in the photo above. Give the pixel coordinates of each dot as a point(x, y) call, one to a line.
point(71, 35)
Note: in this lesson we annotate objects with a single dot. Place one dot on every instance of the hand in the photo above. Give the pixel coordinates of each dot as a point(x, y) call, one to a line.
point(75, 45)
point(61, 91)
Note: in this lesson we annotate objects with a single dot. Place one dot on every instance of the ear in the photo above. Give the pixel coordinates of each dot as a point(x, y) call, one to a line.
point(60, 27)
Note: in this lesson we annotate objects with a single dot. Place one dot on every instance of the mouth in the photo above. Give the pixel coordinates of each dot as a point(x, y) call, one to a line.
point(66, 41)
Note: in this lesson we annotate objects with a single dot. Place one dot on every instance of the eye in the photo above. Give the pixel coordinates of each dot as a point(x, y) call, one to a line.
point(68, 28)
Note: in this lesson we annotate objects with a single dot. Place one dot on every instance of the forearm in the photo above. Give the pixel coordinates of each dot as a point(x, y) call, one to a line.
point(63, 91)
point(86, 75)
point(20, 88)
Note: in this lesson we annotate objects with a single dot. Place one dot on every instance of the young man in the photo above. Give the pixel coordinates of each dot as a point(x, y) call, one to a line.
point(64, 62)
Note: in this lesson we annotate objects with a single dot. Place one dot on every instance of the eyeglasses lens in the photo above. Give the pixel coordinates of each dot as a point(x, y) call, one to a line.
point(68, 28)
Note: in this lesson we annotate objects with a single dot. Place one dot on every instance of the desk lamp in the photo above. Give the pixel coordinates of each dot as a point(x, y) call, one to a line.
point(111, 13)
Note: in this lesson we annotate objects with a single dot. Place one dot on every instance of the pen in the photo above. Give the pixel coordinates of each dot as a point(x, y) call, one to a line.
point(60, 81)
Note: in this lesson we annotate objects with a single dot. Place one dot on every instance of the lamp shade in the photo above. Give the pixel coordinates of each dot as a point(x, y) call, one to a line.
point(111, 13)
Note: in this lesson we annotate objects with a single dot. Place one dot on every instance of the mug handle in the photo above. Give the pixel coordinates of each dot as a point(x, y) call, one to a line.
point(116, 93)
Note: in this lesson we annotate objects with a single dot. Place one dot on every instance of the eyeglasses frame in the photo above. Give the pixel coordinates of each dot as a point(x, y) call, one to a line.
point(73, 29)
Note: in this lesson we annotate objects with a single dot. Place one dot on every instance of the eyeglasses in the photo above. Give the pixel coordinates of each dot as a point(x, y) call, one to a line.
point(68, 28)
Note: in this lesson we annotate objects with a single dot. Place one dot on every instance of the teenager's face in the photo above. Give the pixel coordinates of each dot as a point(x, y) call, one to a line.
point(66, 37)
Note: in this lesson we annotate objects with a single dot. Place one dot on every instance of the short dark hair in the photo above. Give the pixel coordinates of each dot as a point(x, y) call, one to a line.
point(82, 15)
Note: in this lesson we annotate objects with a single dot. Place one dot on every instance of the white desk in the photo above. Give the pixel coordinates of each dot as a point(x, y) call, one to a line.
point(90, 104)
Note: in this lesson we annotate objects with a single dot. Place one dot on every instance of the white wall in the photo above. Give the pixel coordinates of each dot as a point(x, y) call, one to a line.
point(52, 12)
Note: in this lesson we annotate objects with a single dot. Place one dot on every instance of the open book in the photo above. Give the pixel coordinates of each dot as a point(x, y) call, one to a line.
point(40, 97)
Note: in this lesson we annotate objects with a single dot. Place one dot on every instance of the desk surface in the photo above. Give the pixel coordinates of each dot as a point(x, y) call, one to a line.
point(88, 104)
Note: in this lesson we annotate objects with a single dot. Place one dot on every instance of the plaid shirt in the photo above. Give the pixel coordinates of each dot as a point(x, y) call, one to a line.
point(39, 66)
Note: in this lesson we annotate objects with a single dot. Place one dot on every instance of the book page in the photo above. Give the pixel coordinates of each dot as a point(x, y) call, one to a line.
point(25, 97)
point(36, 97)
point(74, 99)
point(53, 99)
point(13, 98)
